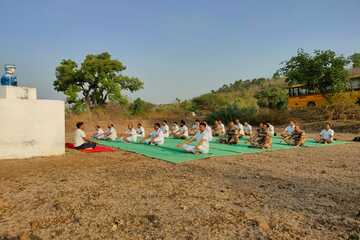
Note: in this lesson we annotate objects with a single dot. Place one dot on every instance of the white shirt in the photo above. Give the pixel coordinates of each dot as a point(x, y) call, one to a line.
point(165, 130)
point(184, 130)
point(209, 132)
point(158, 135)
point(240, 127)
point(203, 136)
point(99, 133)
point(289, 129)
point(271, 130)
point(140, 131)
point(222, 128)
point(79, 137)
point(175, 128)
point(327, 134)
point(112, 133)
point(248, 128)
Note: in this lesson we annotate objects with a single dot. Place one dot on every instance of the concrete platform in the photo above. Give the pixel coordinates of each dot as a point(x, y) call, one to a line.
point(30, 127)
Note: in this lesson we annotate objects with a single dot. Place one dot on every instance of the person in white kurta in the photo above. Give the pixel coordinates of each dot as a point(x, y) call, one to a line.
point(130, 134)
point(111, 133)
point(326, 135)
point(165, 129)
point(240, 128)
point(140, 131)
point(195, 127)
point(99, 134)
point(183, 131)
point(201, 140)
point(156, 137)
point(174, 128)
point(247, 129)
point(271, 129)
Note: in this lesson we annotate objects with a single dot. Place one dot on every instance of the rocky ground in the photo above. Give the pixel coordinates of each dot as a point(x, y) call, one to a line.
point(303, 193)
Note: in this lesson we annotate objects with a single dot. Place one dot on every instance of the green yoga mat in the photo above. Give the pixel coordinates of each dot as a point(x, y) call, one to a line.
point(170, 153)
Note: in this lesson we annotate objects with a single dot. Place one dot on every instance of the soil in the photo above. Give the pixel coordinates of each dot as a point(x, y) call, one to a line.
point(302, 193)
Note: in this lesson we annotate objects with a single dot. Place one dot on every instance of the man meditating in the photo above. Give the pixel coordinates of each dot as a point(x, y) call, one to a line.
point(219, 128)
point(247, 129)
point(111, 133)
point(297, 137)
point(165, 129)
point(240, 128)
point(232, 134)
point(262, 139)
point(130, 134)
point(140, 131)
point(195, 127)
point(99, 134)
point(156, 137)
point(288, 130)
point(174, 128)
point(183, 132)
point(326, 135)
point(201, 139)
point(81, 142)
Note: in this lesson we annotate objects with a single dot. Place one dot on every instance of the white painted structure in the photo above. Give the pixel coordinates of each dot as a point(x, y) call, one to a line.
point(30, 127)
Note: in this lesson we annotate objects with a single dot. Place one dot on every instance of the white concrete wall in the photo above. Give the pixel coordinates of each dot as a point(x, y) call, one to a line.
point(11, 92)
point(31, 128)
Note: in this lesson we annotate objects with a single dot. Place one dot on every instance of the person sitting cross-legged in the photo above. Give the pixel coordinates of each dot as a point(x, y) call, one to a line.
point(156, 137)
point(174, 128)
point(247, 129)
point(111, 133)
point(99, 134)
point(140, 131)
point(201, 140)
point(130, 134)
point(326, 135)
point(165, 129)
point(195, 127)
point(240, 128)
point(232, 134)
point(183, 132)
point(81, 142)
point(297, 137)
point(219, 128)
point(262, 139)
point(286, 134)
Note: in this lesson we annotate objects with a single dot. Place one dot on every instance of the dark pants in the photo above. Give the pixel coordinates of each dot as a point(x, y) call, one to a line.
point(86, 145)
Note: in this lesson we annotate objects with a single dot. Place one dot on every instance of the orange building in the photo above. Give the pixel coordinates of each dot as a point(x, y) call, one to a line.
point(299, 96)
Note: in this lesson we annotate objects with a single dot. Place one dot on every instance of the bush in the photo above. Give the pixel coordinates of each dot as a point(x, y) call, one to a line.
point(230, 113)
point(139, 107)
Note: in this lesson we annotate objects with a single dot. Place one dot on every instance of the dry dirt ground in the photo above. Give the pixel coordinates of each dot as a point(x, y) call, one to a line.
point(301, 193)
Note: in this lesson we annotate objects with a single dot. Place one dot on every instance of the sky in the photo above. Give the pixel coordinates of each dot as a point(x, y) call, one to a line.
point(180, 49)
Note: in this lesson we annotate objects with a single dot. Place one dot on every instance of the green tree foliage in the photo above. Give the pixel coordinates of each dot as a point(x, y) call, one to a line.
point(96, 81)
point(139, 107)
point(232, 112)
point(274, 97)
point(209, 101)
point(322, 71)
point(355, 59)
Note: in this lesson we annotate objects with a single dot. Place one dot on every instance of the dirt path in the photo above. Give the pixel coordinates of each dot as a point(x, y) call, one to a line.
point(295, 194)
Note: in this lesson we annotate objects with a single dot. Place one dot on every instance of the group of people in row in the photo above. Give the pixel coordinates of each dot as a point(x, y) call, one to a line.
point(201, 133)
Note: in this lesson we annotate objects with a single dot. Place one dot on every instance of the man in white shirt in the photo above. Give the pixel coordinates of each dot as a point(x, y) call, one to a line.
point(271, 129)
point(99, 134)
point(156, 137)
point(140, 131)
point(195, 127)
point(326, 135)
point(81, 142)
point(247, 129)
point(130, 135)
point(209, 131)
point(202, 141)
point(111, 133)
point(174, 128)
point(288, 131)
point(240, 128)
point(165, 129)
point(183, 132)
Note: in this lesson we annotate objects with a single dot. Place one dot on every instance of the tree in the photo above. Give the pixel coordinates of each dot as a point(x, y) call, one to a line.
point(323, 71)
point(139, 107)
point(274, 97)
point(96, 81)
point(355, 59)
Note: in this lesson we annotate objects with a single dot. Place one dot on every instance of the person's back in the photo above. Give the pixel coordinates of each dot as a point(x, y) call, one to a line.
point(112, 133)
